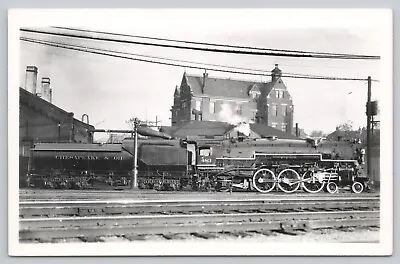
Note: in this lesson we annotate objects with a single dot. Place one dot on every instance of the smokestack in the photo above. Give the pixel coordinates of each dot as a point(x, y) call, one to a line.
point(50, 95)
point(45, 92)
point(205, 75)
point(31, 79)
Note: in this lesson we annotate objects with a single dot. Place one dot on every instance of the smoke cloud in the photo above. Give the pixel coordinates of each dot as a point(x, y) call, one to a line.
point(244, 128)
point(226, 114)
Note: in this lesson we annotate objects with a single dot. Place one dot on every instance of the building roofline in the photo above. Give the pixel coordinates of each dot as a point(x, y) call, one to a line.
point(228, 78)
point(53, 105)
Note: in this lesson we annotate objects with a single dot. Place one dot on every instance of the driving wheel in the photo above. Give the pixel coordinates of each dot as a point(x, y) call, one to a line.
point(288, 180)
point(311, 183)
point(264, 180)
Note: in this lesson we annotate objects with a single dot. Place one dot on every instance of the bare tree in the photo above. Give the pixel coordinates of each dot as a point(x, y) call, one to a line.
point(317, 133)
point(348, 126)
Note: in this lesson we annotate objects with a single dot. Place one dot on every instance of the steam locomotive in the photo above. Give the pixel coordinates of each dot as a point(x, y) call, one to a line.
point(201, 163)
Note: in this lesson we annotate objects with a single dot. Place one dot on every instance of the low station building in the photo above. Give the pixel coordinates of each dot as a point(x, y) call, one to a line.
point(42, 121)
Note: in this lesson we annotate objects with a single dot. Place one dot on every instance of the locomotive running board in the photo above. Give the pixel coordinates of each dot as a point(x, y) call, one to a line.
point(255, 154)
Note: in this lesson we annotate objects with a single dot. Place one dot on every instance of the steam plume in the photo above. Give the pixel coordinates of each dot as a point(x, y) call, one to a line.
point(227, 115)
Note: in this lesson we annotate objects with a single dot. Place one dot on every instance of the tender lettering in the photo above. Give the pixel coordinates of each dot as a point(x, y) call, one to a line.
point(87, 158)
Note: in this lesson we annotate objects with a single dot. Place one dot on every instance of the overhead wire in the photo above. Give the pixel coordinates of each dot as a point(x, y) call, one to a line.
point(210, 44)
point(243, 52)
point(174, 60)
point(107, 53)
point(282, 62)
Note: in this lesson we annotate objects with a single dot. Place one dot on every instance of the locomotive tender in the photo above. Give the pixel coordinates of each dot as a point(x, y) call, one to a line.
point(200, 163)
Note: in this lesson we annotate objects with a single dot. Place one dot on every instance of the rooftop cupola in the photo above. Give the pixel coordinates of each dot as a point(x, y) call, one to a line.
point(276, 73)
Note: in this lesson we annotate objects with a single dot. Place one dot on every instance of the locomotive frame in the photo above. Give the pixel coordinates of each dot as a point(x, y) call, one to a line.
point(171, 164)
point(265, 170)
point(268, 172)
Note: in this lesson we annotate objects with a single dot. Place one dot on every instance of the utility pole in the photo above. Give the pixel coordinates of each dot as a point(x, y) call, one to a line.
point(369, 114)
point(153, 123)
point(135, 169)
point(372, 126)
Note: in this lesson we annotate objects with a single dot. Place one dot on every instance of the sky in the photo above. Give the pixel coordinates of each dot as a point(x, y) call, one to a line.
point(112, 90)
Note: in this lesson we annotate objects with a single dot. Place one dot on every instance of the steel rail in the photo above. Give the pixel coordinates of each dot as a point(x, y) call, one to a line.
point(29, 192)
point(86, 209)
point(182, 201)
point(48, 195)
point(110, 221)
point(94, 232)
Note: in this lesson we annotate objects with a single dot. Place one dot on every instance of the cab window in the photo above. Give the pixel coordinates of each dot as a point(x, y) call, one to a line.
point(205, 151)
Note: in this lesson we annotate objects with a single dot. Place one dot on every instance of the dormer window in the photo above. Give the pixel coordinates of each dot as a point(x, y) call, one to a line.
point(279, 93)
point(255, 94)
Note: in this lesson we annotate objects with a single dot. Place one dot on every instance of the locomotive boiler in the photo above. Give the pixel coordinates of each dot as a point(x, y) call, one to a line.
point(201, 163)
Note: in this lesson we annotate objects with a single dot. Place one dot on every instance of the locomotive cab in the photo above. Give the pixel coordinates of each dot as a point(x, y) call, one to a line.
point(201, 151)
point(205, 156)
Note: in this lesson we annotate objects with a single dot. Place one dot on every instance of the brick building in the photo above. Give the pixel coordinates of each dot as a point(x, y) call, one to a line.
point(203, 98)
point(42, 121)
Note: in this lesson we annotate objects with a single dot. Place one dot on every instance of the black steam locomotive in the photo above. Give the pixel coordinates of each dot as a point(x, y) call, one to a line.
point(197, 163)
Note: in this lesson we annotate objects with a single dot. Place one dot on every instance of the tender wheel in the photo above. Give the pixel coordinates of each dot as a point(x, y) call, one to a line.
point(357, 187)
point(332, 187)
point(311, 183)
point(67, 185)
point(288, 180)
point(223, 186)
point(264, 180)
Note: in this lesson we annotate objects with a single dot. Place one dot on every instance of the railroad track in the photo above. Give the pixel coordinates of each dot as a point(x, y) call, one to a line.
point(79, 195)
point(131, 226)
point(49, 221)
point(39, 209)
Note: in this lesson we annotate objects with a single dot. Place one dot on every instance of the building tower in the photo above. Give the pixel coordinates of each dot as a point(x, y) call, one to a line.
point(276, 73)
